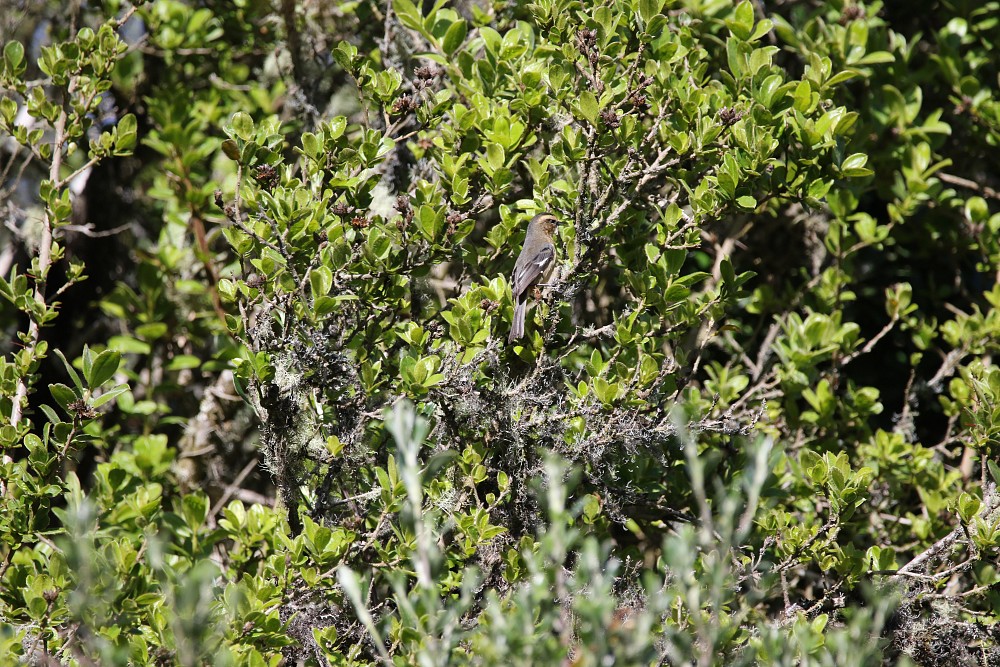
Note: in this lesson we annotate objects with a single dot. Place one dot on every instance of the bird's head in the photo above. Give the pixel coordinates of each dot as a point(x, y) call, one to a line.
point(546, 222)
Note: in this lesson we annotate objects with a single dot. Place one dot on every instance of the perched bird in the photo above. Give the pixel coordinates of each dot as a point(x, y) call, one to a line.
point(533, 267)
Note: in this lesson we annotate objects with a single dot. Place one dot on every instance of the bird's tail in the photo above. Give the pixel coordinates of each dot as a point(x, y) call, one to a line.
point(517, 326)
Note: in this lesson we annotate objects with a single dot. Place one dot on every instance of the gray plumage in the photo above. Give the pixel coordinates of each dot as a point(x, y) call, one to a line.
point(533, 266)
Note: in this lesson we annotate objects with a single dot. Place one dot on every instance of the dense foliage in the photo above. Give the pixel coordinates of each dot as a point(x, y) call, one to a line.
point(754, 419)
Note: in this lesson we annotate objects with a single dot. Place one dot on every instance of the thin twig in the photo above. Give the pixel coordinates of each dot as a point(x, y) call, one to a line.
point(872, 343)
point(968, 185)
point(232, 488)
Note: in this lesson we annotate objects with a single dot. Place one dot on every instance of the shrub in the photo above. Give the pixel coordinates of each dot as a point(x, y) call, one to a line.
point(752, 418)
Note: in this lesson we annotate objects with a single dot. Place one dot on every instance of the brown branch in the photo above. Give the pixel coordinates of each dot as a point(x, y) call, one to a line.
point(294, 40)
point(232, 488)
point(968, 185)
point(44, 265)
point(198, 227)
point(935, 550)
point(872, 343)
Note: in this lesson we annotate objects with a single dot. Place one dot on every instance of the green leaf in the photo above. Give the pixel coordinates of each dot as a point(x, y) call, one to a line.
point(742, 23)
point(854, 166)
point(994, 471)
point(968, 506)
point(126, 133)
point(495, 156)
point(976, 209)
point(875, 58)
point(652, 252)
point(128, 345)
point(63, 395)
point(311, 145)
point(763, 27)
point(654, 27)
point(735, 58)
point(588, 106)
point(109, 395)
point(72, 371)
point(438, 462)
point(767, 90)
point(37, 607)
point(454, 37)
point(855, 160)
point(321, 281)
point(648, 9)
point(491, 39)
point(151, 331)
point(231, 149)
point(183, 362)
point(408, 14)
point(336, 127)
point(727, 271)
point(841, 77)
point(13, 55)
point(50, 414)
point(243, 126)
point(803, 97)
point(195, 507)
point(104, 366)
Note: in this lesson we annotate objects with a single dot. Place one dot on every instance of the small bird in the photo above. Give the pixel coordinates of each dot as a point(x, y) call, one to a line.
point(533, 267)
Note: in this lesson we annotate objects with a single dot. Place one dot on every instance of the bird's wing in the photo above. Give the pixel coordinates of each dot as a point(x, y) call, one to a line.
point(526, 273)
